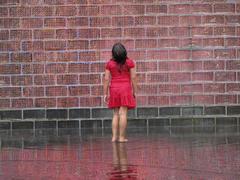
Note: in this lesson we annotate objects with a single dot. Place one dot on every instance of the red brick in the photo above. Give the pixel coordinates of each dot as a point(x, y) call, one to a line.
point(213, 65)
point(213, 42)
point(3, 12)
point(168, 20)
point(224, 7)
point(179, 31)
point(190, 42)
point(97, 67)
point(145, 20)
point(191, 88)
point(169, 66)
point(141, 77)
point(202, 31)
point(88, 56)
point(238, 8)
point(78, 68)
point(156, 9)
point(180, 77)
point(4, 34)
point(20, 11)
point(191, 65)
point(189, 20)
point(224, 31)
point(225, 76)
point(202, 54)
point(146, 43)
point(169, 89)
point(22, 103)
point(100, 21)
point(156, 31)
point(144, 89)
point(138, 55)
point(32, 46)
point(9, 46)
point(233, 87)
point(4, 103)
point(43, 11)
point(111, 32)
point(202, 76)
point(23, 80)
point(89, 79)
point(66, 11)
point(90, 101)
point(123, 21)
point(158, 100)
point(99, 1)
point(9, 2)
point(68, 102)
point(78, 90)
point(10, 91)
point(232, 41)
point(31, 23)
point(203, 99)
point(45, 102)
point(233, 64)
point(55, 45)
point(214, 88)
point(164, 43)
point(101, 44)
point(66, 56)
point(10, 69)
point(225, 99)
point(66, 33)
point(179, 9)
point(33, 91)
point(201, 8)
point(109, 10)
point(56, 91)
point(54, 2)
point(157, 54)
point(21, 57)
point(146, 66)
point(77, 44)
point(142, 100)
point(133, 9)
point(180, 99)
point(4, 80)
point(7, 23)
point(44, 34)
point(44, 79)
point(179, 54)
point(88, 10)
point(134, 32)
point(97, 90)
point(157, 77)
point(225, 53)
point(20, 34)
point(67, 79)
point(32, 68)
point(213, 19)
point(4, 58)
point(56, 68)
point(54, 22)
point(92, 33)
point(232, 19)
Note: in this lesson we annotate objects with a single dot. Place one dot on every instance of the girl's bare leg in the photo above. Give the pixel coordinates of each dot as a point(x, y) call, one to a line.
point(115, 122)
point(122, 124)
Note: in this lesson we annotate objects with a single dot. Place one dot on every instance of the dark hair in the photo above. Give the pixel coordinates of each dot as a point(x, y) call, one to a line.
point(119, 54)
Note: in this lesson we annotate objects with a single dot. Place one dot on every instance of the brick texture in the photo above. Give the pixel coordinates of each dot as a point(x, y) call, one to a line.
point(52, 54)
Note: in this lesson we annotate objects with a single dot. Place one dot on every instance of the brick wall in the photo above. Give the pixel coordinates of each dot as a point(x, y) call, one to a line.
point(53, 51)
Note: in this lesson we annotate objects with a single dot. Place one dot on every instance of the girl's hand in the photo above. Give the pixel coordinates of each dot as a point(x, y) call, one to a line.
point(105, 99)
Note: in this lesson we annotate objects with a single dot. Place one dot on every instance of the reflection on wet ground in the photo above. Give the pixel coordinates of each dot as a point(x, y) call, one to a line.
point(150, 154)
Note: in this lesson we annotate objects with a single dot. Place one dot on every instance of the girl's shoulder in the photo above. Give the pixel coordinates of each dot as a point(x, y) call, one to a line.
point(109, 63)
point(130, 63)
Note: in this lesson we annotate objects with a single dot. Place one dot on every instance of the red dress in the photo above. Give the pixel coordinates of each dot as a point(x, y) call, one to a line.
point(121, 92)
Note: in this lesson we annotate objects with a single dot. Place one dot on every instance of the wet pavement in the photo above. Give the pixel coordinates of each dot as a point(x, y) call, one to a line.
point(151, 154)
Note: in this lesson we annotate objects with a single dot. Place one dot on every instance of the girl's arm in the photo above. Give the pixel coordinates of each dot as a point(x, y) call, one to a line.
point(106, 84)
point(134, 80)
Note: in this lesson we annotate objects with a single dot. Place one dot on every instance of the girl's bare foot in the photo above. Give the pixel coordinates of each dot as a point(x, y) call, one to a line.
point(114, 139)
point(122, 140)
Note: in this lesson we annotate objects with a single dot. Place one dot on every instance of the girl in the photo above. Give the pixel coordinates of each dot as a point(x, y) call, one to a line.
point(121, 94)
